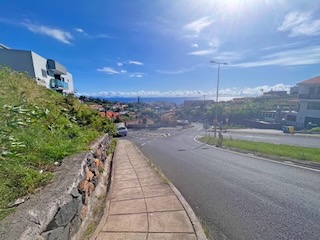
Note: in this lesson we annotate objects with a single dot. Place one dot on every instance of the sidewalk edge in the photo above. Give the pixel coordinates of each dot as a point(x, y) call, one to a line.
point(192, 216)
point(103, 220)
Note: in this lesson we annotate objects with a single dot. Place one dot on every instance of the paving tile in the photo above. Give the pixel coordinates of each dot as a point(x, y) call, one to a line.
point(126, 184)
point(125, 177)
point(151, 181)
point(145, 169)
point(123, 164)
point(121, 236)
point(172, 236)
point(123, 168)
point(129, 206)
point(176, 221)
point(141, 165)
point(147, 174)
point(165, 203)
point(125, 171)
point(157, 190)
point(127, 223)
point(126, 194)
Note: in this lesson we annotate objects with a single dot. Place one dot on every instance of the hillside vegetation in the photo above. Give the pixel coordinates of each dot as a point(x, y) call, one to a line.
point(38, 128)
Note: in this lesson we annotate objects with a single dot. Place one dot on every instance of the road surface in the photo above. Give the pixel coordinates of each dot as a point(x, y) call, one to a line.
point(237, 196)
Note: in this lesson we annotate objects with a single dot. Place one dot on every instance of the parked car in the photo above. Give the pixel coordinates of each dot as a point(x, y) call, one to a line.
point(121, 130)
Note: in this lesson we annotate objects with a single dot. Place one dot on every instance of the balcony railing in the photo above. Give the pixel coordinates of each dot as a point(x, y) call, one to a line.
point(58, 84)
point(309, 96)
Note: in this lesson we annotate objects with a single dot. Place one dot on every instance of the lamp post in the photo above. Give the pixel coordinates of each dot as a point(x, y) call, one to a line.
point(217, 97)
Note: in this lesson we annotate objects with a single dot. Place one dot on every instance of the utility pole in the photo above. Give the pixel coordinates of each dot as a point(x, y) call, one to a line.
point(217, 97)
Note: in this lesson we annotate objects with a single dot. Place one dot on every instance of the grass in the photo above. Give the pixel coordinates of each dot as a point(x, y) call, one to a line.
point(38, 127)
point(98, 211)
point(270, 149)
point(112, 147)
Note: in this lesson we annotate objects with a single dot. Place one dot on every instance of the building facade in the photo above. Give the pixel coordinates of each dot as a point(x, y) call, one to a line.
point(309, 102)
point(46, 72)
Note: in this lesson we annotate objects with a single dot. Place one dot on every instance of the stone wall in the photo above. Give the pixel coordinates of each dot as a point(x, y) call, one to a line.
point(62, 208)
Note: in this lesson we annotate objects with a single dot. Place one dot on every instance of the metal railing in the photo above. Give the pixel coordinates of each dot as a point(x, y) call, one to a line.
point(58, 84)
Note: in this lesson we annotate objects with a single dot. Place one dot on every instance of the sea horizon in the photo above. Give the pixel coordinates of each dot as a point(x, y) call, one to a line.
point(176, 100)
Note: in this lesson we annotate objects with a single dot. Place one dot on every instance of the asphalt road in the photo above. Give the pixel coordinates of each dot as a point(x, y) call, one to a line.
point(237, 196)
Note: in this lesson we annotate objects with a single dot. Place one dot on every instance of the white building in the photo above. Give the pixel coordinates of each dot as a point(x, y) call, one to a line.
point(47, 72)
point(309, 102)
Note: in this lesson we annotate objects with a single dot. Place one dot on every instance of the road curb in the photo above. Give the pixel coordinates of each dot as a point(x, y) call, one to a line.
point(192, 216)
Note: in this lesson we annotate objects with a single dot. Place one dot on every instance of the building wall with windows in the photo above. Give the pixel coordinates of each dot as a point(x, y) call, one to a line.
point(38, 68)
point(309, 102)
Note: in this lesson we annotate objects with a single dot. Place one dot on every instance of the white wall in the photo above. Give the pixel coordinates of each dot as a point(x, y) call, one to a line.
point(40, 63)
point(69, 79)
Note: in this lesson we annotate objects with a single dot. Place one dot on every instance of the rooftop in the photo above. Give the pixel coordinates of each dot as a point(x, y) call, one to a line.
point(311, 81)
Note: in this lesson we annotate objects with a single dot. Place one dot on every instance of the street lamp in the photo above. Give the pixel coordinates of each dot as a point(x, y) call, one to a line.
point(217, 97)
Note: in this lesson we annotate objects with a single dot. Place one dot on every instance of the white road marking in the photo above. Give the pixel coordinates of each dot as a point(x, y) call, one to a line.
point(264, 159)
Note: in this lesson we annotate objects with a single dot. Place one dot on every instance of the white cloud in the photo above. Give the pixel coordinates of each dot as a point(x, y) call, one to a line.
point(198, 25)
point(195, 45)
point(108, 70)
point(135, 62)
point(203, 52)
point(213, 48)
point(229, 57)
point(58, 34)
point(303, 56)
point(173, 72)
point(120, 64)
point(80, 30)
point(123, 71)
point(97, 36)
point(214, 43)
point(138, 75)
point(224, 94)
point(300, 23)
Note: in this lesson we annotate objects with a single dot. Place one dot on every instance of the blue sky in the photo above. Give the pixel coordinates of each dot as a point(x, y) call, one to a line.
point(164, 47)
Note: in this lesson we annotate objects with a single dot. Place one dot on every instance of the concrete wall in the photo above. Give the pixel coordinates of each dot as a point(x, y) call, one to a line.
point(69, 79)
point(63, 207)
point(305, 112)
point(18, 60)
point(39, 64)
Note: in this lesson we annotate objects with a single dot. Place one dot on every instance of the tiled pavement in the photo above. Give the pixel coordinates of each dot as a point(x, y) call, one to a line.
point(142, 205)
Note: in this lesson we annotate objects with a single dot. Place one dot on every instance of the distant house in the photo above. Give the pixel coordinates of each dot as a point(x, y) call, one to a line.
point(275, 94)
point(46, 72)
point(294, 90)
point(309, 102)
point(110, 115)
point(97, 107)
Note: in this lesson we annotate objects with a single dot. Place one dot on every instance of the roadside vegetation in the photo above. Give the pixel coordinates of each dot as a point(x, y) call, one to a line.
point(38, 128)
point(279, 151)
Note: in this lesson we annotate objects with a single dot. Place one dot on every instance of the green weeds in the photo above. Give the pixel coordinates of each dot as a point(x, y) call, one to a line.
point(38, 127)
point(269, 149)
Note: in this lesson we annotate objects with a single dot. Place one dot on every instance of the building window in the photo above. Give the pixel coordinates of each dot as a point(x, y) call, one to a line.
point(312, 90)
point(313, 106)
point(44, 73)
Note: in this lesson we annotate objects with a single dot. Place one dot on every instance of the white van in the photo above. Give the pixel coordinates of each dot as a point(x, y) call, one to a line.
point(121, 129)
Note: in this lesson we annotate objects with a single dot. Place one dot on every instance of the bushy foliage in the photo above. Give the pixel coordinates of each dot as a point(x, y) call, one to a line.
point(39, 127)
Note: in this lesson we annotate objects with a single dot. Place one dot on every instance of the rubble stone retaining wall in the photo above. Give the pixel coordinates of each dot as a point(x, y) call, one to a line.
point(60, 209)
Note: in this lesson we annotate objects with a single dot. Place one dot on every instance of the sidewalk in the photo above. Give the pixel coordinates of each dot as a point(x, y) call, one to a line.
point(142, 205)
